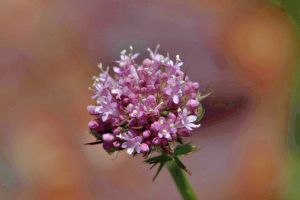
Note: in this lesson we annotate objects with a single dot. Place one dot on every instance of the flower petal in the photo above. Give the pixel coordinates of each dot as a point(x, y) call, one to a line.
point(192, 118)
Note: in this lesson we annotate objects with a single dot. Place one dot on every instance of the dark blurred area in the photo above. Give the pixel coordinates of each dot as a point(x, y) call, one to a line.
point(245, 50)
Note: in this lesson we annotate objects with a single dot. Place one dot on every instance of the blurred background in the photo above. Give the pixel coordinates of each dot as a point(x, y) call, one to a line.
point(246, 50)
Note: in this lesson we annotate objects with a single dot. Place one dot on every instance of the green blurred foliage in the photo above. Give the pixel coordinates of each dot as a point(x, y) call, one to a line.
point(292, 8)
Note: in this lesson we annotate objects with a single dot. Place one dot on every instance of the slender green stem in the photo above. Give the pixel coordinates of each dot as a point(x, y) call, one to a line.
point(181, 181)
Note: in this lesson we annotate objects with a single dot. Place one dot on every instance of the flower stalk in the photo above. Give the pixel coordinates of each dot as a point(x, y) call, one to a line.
point(181, 181)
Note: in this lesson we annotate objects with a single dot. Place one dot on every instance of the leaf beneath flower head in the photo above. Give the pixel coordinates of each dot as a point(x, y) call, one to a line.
point(186, 149)
point(180, 150)
point(200, 113)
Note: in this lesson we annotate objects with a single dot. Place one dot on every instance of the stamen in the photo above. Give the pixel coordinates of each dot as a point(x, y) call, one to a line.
point(100, 66)
point(171, 125)
point(177, 58)
point(134, 111)
point(165, 131)
point(182, 121)
point(161, 122)
point(122, 64)
point(123, 52)
point(130, 105)
point(130, 47)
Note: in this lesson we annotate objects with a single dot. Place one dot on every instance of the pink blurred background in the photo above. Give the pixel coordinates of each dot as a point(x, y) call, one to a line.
point(49, 51)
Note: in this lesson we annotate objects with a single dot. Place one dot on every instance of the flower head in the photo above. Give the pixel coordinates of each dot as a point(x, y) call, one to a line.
point(144, 107)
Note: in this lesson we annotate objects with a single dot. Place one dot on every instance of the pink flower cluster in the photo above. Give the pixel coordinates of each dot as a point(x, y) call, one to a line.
point(146, 106)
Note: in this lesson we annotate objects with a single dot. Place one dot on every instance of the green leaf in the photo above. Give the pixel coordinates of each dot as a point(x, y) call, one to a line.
point(181, 165)
point(159, 169)
point(200, 112)
point(187, 149)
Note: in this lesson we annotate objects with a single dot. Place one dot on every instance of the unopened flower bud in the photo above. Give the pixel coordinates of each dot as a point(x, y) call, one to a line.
point(129, 82)
point(146, 133)
point(157, 87)
point(134, 132)
point(93, 125)
point(144, 148)
point(183, 132)
point(132, 122)
point(116, 131)
point(142, 83)
point(149, 142)
point(169, 103)
point(132, 96)
point(164, 142)
point(144, 90)
point(108, 137)
point(146, 62)
point(116, 144)
point(136, 89)
point(159, 107)
point(171, 116)
point(115, 120)
point(151, 89)
point(195, 86)
point(192, 95)
point(193, 104)
point(121, 117)
point(91, 109)
point(164, 77)
point(126, 101)
point(143, 120)
point(156, 141)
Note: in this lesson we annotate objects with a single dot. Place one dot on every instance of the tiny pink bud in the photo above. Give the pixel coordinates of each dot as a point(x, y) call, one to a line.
point(171, 116)
point(136, 89)
point(156, 141)
point(126, 101)
point(134, 132)
point(132, 96)
point(146, 133)
point(195, 86)
point(183, 132)
point(132, 122)
point(159, 107)
point(143, 120)
point(151, 89)
point(192, 95)
point(164, 77)
point(115, 120)
point(91, 109)
point(144, 148)
point(142, 83)
point(93, 125)
point(169, 103)
point(121, 117)
point(144, 90)
point(116, 144)
point(129, 82)
point(116, 131)
point(157, 87)
point(193, 104)
point(108, 137)
point(146, 62)
point(149, 142)
point(164, 142)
